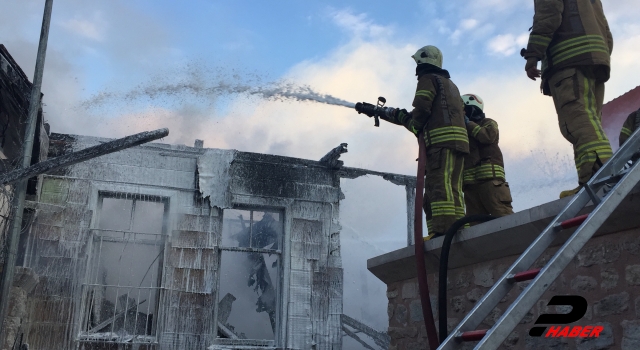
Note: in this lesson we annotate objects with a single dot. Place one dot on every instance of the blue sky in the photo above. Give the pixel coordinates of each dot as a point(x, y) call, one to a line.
point(354, 50)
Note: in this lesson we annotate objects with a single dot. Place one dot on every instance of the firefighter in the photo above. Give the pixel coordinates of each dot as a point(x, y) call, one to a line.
point(630, 125)
point(485, 188)
point(574, 43)
point(439, 114)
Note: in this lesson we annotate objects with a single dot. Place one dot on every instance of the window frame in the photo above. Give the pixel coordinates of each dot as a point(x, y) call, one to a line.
point(284, 207)
point(97, 193)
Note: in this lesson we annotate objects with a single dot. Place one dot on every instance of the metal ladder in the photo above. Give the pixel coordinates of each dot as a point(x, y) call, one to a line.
point(612, 172)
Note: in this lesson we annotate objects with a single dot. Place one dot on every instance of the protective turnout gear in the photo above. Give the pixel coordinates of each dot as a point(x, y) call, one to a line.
point(485, 188)
point(631, 124)
point(569, 33)
point(439, 114)
point(429, 55)
point(574, 43)
point(578, 97)
point(491, 197)
point(443, 201)
point(484, 161)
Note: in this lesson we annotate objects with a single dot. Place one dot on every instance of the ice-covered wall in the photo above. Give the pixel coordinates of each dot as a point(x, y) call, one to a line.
point(62, 244)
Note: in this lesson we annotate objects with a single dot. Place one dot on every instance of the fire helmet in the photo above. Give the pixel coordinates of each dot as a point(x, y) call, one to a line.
point(429, 55)
point(473, 100)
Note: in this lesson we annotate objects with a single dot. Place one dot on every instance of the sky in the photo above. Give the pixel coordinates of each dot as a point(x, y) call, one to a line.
point(118, 67)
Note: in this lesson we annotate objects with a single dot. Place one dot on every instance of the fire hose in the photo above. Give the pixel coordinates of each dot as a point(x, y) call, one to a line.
point(444, 264)
point(427, 312)
point(379, 111)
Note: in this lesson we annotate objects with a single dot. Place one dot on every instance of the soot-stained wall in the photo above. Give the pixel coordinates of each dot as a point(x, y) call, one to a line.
point(69, 249)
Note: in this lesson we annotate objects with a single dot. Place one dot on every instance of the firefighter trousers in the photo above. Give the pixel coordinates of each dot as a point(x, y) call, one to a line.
point(492, 197)
point(443, 200)
point(578, 97)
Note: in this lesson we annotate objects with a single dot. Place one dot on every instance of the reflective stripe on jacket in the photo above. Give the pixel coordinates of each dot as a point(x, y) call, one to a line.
point(630, 125)
point(569, 33)
point(484, 161)
point(439, 111)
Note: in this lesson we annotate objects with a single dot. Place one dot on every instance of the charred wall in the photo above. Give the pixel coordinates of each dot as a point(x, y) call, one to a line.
point(63, 249)
point(15, 90)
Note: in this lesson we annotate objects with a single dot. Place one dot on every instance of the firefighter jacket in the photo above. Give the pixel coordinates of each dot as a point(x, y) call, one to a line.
point(570, 33)
point(438, 111)
point(484, 161)
point(630, 125)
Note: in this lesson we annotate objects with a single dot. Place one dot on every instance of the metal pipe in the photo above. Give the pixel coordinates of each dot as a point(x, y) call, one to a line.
point(80, 156)
point(411, 198)
point(20, 190)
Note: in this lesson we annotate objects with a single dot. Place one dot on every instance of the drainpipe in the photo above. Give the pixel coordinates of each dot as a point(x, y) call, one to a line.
point(21, 189)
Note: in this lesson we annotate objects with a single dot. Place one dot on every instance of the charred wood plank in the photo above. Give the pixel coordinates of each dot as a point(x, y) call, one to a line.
point(80, 156)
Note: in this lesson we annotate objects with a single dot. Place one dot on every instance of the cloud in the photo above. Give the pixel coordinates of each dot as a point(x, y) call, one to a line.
point(358, 25)
point(464, 27)
point(507, 44)
point(91, 29)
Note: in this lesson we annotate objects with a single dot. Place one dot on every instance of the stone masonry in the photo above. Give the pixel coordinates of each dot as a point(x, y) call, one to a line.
point(606, 273)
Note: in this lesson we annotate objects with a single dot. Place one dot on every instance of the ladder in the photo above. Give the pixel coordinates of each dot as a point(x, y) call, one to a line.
point(612, 173)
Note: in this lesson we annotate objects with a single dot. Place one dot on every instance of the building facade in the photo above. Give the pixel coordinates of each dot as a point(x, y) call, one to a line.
point(175, 247)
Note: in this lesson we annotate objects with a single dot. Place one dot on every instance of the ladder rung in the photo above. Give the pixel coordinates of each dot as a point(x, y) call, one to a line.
point(525, 275)
point(473, 335)
point(574, 222)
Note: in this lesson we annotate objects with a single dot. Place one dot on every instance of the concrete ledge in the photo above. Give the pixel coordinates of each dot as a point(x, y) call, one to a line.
point(498, 238)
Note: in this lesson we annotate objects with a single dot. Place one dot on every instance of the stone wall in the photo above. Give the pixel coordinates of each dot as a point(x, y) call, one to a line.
point(23, 283)
point(606, 273)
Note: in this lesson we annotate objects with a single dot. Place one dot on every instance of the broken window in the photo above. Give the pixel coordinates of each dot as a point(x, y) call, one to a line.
point(122, 293)
point(249, 282)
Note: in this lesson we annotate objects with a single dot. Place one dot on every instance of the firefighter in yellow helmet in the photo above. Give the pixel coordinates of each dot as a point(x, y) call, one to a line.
point(630, 125)
point(485, 188)
point(574, 43)
point(438, 113)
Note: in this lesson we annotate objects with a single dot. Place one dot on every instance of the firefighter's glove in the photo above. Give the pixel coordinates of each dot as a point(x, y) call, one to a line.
point(466, 120)
point(390, 113)
point(414, 130)
point(532, 68)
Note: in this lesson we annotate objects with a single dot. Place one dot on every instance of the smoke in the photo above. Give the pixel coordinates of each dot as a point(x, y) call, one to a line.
point(202, 85)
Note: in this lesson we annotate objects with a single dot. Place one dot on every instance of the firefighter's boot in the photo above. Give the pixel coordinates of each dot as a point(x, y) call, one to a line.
point(568, 193)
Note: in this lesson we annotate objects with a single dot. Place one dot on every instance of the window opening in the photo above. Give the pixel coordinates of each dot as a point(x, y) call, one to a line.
point(250, 271)
point(123, 289)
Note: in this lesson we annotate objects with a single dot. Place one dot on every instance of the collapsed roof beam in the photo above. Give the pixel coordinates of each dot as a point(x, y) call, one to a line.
point(81, 156)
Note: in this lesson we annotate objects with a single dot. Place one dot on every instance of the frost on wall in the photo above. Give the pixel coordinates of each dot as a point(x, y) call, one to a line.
point(214, 177)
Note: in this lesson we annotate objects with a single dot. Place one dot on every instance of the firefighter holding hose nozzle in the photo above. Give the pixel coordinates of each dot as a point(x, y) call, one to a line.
point(438, 115)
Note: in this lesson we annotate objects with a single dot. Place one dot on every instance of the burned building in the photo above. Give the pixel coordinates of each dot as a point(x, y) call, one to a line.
point(173, 247)
point(15, 90)
point(179, 247)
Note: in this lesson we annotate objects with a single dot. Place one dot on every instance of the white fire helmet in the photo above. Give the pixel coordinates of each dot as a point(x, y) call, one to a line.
point(473, 100)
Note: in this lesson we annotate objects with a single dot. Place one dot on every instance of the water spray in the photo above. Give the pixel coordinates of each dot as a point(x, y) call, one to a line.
point(273, 91)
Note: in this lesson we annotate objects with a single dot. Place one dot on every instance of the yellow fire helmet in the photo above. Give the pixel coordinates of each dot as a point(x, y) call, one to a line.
point(473, 100)
point(430, 55)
